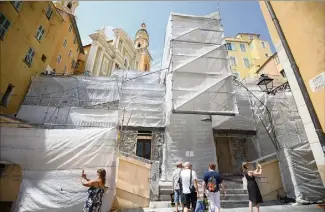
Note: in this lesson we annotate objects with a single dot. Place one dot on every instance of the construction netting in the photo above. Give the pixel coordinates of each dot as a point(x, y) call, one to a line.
point(138, 99)
point(197, 73)
point(279, 129)
point(52, 161)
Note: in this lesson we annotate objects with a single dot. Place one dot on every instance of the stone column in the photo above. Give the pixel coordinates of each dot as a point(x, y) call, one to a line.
point(163, 176)
point(99, 62)
point(91, 57)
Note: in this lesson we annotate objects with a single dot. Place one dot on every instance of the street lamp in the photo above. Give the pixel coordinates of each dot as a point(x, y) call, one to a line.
point(265, 83)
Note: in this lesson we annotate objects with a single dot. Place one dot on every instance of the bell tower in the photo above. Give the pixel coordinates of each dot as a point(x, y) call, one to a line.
point(70, 5)
point(141, 43)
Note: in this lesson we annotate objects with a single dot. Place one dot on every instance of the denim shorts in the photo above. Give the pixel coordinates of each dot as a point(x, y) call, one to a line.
point(177, 196)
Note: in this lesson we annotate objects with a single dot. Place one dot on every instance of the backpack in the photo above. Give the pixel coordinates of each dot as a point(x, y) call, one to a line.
point(212, 184)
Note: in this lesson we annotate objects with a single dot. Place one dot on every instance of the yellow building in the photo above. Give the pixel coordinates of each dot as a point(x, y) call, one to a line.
point(273, 69)
point(303, 26)
point(32, 35)
point(68, 43)
point(141, 44)
point(247, 52)
point(27, 33)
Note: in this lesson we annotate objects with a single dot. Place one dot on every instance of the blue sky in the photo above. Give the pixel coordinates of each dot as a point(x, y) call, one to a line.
point(237, 16)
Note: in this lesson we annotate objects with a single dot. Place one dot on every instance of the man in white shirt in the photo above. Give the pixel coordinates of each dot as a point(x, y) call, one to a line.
point(176, 185)
point(190, 187)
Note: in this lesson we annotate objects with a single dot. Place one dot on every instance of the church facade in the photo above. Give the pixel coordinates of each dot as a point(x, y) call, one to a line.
point(104, 55)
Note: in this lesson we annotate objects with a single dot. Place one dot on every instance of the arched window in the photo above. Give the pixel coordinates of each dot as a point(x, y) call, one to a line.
point(69, 5)
point(126, 64)
point(139, 45)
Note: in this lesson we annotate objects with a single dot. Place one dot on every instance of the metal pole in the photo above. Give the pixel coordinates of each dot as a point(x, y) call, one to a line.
point(295, 68)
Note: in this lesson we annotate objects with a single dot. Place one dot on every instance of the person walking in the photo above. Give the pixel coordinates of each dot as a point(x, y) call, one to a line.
point(212, 182)
point(190, 187)
point(95, 191)
point(177, 186)
point(254, 194)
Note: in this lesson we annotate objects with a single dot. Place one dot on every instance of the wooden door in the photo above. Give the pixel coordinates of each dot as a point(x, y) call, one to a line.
point(224, 155)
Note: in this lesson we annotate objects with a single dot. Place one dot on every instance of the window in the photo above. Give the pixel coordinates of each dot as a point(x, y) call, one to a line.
point(43, 58)
point(4, 25)
point(251, 37)
point(65, 69)
point(246, 62)
point(276, 58)
point(73, 63)
point(120, 44)
point(146, 67)
point(263, 44)
point(5, 98)
point(70, 53)
point(65, 43)
point(232, 61)
point(230, 46)
point(59, 58)
point(139, 45)
point(74, 40)
point(251, 45)
point(144, 148)
point(144, 144)
point(242, 47)
point(283, 73)
point(126, 63)
point(267, 54)
point(16, 4)
point(70, 28)
point(40, 33)
point(69, 5)
point(29, 56)
point(49, 12)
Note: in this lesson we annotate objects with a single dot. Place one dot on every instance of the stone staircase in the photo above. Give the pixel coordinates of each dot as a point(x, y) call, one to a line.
point(236, 196)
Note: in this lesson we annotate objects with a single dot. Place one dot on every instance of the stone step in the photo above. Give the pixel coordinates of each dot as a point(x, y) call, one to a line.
point(227, 197)
point(235, 197)
point(164, 191)
point(224, 204)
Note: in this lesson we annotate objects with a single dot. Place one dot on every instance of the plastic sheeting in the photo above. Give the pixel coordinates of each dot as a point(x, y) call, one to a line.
point(188, 138)
point(300, 176)
point(137, 98)
point(197, 77)
point(282, 124)
point(52, 162)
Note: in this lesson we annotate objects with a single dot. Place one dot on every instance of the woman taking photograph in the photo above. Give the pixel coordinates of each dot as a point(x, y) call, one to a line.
point(95, 191)
point(254, 194)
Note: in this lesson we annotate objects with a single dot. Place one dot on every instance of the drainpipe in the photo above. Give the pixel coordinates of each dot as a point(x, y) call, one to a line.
point(301, 84)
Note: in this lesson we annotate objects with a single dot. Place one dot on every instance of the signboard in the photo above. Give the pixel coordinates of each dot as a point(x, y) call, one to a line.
point(317, 82)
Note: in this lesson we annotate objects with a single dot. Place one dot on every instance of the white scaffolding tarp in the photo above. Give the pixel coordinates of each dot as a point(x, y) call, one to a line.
point(198, 79)
point(137, 98)
point(275, 118)
point(52, 162)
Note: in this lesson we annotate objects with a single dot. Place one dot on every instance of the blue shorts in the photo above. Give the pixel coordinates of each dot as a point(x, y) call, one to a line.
point(177, 196)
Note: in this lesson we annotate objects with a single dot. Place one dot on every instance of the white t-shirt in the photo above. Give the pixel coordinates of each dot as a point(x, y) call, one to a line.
point(185, 175)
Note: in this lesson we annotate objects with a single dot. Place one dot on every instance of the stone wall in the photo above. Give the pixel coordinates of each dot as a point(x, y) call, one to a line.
point(128, 142)
point(128, 148)
point(239, 153)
